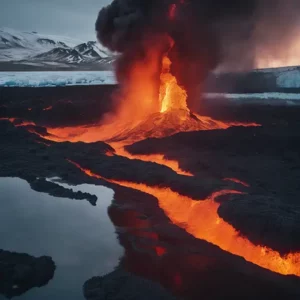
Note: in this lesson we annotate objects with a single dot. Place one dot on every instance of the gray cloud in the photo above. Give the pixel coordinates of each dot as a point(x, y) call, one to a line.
point(74, 18)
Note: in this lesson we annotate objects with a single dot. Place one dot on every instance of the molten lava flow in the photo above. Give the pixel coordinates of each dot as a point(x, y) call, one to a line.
point(155, 158)
point(201, 219)
point(25, 123)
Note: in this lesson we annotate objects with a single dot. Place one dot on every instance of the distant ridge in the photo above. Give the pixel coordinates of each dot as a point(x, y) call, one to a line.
point(22, 51)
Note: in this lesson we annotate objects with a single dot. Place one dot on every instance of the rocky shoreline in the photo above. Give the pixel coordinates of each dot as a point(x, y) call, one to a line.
point(22, 272)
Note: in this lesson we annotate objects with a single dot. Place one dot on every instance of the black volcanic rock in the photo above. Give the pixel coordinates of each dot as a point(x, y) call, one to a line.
point(27, 156)
point(53, 189)
point(121, 285)
point(83, 104)
point(21, 272)
point(264, 219)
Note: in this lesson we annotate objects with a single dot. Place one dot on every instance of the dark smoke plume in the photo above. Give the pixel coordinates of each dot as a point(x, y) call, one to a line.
point(228, 34)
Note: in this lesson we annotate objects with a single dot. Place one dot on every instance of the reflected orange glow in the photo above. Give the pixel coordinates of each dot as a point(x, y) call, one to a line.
point(48, 108)
point(237, 181)
point(109, 153)
point(201, 219)
point(25, 123)
point(172, 11)
point(160, 251)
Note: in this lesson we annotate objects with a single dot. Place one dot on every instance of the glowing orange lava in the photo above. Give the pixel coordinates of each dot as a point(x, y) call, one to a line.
point(155, 158)
point(171, 95)
point(201, 219)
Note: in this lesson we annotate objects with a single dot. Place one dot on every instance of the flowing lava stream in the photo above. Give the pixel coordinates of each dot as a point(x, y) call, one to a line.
point(201, 219)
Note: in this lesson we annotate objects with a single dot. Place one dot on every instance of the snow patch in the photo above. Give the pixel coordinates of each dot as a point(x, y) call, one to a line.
point(257, 98)
point(52, 79)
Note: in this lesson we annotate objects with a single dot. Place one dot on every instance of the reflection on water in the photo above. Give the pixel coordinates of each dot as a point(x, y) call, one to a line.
point(79, 237)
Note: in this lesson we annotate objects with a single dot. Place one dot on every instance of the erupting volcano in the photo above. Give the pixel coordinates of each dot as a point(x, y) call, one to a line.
point(152, 102)
point(142, 113)
point(198, 217)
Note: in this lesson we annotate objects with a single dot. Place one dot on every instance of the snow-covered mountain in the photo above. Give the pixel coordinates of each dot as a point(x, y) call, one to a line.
point(44, 51)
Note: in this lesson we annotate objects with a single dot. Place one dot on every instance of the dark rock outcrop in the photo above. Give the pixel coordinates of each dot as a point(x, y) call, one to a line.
point(264, 218)
point(21, 272)
point(41, 185)
point(121, 285)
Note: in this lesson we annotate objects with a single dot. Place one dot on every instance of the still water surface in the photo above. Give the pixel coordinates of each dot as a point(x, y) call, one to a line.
point(80, 238)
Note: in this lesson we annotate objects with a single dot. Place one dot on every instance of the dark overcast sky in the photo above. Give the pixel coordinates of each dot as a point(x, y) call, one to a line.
point(74, 18)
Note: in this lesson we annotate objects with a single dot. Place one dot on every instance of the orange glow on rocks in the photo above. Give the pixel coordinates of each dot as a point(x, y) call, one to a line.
point(109, 153)
point(200, 218)
point(237, 181)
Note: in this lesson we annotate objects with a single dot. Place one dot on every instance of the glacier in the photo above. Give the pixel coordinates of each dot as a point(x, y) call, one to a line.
point(56, 78)
point(270, 99)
